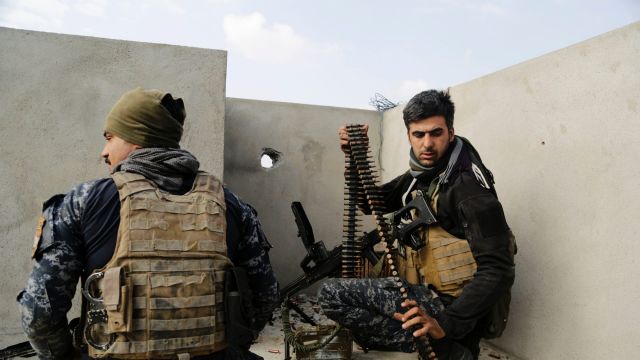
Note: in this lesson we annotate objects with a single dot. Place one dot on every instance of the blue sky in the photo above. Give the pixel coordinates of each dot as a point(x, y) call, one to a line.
point(338, 53)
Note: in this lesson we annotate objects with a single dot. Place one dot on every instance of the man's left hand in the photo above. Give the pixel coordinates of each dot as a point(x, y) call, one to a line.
point(417, 316)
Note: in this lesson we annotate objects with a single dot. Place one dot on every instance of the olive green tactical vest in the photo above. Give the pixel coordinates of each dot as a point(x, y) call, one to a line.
point(163, 287)
point(446, 262)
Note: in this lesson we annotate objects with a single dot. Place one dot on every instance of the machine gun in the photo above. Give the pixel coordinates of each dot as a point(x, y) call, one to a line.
point(319, 262)
point(316, 265)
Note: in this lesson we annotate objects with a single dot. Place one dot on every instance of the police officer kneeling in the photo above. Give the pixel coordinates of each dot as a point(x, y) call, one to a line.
point(153, 245)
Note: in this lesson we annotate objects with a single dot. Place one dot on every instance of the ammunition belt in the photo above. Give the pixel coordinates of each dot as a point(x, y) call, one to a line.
point(360, 188)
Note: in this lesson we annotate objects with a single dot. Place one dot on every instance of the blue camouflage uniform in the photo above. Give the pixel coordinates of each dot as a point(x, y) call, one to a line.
point(79, 235)
point(366, 306)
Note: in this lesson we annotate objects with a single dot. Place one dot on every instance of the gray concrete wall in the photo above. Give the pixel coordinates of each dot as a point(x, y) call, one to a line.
point(56, 91)
point(311, 171)
point(560, 133)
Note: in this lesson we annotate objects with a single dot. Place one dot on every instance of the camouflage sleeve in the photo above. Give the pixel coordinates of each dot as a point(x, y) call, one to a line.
point(253, 255)
point(46, 299)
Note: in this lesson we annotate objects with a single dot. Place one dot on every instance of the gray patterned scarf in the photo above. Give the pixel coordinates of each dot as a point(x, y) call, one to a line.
point(166, 167)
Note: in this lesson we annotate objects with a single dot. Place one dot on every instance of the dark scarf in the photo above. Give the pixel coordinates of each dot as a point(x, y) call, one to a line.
point(172, 170)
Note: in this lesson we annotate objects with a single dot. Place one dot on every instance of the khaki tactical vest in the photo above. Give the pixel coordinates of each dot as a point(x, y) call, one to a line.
point(163, 288)
point(446, 262)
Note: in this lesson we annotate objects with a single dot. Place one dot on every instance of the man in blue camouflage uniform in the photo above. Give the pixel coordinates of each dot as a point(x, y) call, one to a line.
point(467, 208)
point(77, 232)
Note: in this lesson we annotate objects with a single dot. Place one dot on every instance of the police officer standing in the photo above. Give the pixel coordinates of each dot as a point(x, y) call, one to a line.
point(152, 245)
point(461, 279)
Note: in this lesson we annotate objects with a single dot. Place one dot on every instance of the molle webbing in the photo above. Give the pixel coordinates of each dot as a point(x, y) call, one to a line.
point(173, 251)
point(446, 262)
point(129, 347)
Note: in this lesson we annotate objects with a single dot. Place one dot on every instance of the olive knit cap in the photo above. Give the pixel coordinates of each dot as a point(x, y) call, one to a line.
point(148, 118)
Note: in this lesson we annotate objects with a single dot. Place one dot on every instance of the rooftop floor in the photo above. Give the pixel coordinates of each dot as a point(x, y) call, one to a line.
point(270, 344)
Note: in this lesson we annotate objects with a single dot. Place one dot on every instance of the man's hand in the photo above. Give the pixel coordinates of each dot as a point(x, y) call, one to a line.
point(344, 137)
point(417, 316)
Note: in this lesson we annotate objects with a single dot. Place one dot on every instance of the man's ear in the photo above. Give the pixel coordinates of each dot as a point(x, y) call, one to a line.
point(451, 135)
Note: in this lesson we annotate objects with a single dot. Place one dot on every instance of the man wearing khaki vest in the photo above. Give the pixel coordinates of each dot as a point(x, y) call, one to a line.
point(152, 246)
point(460, 280)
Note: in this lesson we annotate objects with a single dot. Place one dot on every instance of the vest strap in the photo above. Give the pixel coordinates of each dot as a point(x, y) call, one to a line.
point(197, 224)
point(133, 347)
point(176, 303)
point(457, 275)
point(130, 183)
point(111, 288)
point(455, 261)
point(142, 279)
point(148, 223)
point(437, 242)
point(175, 324)
point(455, 248)
point(123, 177)
point(213, 262)
point(210, 207)
point(176, 245)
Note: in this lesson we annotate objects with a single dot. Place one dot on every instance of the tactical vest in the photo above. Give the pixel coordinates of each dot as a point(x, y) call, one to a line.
point(163, 288)
point(445, 262)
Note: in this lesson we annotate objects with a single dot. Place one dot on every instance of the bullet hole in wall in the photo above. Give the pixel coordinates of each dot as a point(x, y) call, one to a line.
point(542, 143)
point(270, 158)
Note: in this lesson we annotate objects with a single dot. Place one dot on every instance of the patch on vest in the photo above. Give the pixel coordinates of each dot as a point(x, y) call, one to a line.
point(480, 177)
point(37, 237)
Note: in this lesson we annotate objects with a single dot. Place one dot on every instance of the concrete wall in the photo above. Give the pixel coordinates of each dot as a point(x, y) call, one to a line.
point(560, 134)
point(56, 91)
point(311, 171)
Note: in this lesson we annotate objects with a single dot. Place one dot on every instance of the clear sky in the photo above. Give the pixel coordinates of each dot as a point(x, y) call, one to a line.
point(338, 53)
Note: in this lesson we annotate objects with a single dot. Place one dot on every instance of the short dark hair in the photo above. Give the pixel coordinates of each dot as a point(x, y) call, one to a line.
point(429, 103)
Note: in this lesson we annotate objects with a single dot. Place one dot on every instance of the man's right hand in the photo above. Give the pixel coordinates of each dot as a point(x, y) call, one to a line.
point(344, 137)
point(417, 316)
